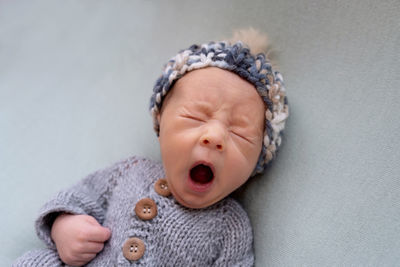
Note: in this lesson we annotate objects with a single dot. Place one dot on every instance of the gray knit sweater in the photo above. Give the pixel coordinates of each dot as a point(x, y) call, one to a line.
point(219, 235)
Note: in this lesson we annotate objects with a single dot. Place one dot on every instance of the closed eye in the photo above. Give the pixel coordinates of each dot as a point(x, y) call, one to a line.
point(241, 136)
point(193, 118)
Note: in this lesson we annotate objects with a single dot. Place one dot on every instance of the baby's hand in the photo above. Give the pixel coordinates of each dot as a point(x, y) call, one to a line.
point(78, 238)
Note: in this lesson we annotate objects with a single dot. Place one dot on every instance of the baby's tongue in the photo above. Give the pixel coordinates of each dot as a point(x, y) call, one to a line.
point(201, 174)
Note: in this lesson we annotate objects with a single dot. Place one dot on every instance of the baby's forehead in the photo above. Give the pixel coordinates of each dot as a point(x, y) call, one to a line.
point(214, 85)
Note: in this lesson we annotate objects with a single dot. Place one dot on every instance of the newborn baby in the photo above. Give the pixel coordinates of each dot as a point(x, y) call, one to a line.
point(219, 111)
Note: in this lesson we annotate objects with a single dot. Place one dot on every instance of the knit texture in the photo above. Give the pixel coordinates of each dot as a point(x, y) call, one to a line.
point(238, 59)
point(219, 235)
point(39, 257)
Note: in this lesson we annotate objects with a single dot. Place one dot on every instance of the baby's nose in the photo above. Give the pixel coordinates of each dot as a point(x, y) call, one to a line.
point(214, 138)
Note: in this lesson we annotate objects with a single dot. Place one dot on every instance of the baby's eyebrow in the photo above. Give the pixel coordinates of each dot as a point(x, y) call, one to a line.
point(203, 106)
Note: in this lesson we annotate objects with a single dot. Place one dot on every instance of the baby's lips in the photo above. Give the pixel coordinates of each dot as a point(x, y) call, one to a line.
point(201, 176)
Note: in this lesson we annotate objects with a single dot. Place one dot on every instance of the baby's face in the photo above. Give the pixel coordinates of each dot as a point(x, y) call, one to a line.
point(211, 132)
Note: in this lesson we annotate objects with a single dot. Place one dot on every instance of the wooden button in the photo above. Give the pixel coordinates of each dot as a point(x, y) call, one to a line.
point(133, 249)
point(161, 188)
point(146, 209)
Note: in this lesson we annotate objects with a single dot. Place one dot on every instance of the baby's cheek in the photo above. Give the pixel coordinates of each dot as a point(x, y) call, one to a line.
point(247, 151)
point(178, 143)
point(243, 159)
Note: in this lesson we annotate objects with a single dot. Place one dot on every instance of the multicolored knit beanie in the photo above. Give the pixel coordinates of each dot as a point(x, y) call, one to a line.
point(238, 59)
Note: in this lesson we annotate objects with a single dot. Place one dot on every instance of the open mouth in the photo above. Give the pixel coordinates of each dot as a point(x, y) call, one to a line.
point(201, 174)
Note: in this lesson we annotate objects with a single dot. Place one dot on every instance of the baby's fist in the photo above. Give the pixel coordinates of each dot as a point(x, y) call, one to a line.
point(78, 238)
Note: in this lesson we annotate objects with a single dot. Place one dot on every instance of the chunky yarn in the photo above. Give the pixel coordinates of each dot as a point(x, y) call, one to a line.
point(238, 59)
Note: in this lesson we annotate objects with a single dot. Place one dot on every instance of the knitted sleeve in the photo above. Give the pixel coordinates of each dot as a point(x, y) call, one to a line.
point(90, 196)
point(39, 258)
point(237, 238)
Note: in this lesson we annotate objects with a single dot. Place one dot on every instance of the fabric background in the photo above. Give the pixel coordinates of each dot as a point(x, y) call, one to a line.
point(75, 82)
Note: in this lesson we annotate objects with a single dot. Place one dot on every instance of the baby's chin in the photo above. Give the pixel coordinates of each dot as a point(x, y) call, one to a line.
point(193, 203)
point(189, 199)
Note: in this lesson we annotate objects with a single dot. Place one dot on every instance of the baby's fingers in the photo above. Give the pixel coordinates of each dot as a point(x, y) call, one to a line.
point(83, 259)
point(92, 247)
point(99, 234)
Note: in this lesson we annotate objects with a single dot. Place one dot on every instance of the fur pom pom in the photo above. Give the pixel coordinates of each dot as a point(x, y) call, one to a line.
point(256, 41)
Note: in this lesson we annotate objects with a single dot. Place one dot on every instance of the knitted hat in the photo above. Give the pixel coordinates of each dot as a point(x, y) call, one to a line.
point(238, 59)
